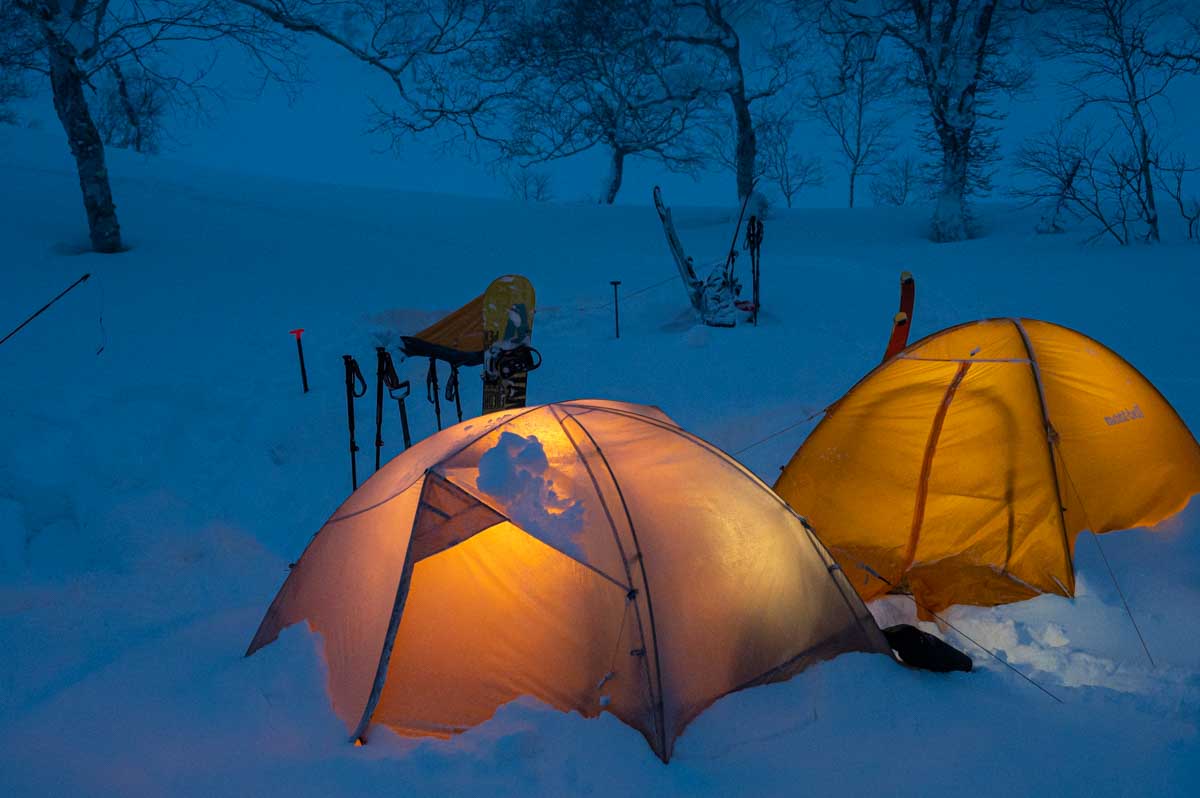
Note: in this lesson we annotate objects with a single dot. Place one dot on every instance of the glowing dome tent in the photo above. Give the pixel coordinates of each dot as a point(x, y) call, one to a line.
point(963, 468)
point(590, 554)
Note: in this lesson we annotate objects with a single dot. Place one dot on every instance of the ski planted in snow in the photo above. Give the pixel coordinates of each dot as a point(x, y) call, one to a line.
point(902, 321)
point(713, 298)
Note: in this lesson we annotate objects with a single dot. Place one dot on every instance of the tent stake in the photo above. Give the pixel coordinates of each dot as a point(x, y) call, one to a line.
point(300, 351)
point(616, 308)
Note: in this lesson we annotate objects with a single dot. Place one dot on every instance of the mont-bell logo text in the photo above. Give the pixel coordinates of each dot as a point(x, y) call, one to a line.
point(1125, 415)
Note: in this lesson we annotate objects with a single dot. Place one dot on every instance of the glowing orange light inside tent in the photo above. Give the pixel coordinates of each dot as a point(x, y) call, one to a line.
point(590, 554)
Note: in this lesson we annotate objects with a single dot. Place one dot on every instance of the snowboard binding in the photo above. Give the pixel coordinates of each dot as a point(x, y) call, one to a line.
point(504, 363)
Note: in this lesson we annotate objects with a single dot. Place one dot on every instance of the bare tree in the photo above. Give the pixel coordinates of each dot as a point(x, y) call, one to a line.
point(1172, 175)
point(789, 170)
point(594, 73)
point(959, 51)
point(709, 25)
point(131, 111)
point(857, 107)
point(529, 185)
point(1076, 173)
point(76, 40)
point(442, 57)
point(896, 182)
point(1127, 54)
point(17, 50)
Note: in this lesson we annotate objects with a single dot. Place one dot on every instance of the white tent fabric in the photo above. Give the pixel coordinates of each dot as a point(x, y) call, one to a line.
point(591, 554)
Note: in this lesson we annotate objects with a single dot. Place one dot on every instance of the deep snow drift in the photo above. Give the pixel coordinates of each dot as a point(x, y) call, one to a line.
point(152, 495)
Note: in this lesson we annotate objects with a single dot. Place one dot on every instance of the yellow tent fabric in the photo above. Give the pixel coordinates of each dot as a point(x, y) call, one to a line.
point(963, 468)
point(590, 554)
point(461, 330)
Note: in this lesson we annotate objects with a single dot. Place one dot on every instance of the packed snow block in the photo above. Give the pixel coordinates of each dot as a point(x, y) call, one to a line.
point(922, 650)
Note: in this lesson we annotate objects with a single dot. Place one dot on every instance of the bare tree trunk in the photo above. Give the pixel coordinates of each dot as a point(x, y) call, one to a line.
point(746, 153)
point(853, 178)
point(950, 213)
point(1142, 141)
point(1145, 173)
point(66, 80)
point(616, 173)
point(131, 114)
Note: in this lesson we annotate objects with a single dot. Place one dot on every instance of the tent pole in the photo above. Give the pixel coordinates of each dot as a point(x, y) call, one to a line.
point(1051, 443)
point(1051, 437)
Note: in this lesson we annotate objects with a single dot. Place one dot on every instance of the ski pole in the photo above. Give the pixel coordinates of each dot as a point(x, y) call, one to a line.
point(616, 307)
point(380, 354)
point(452, 390)
point(402, 386)
point(729, 260)
point(300, 351)
point(754, 237)
point(387, 378)
point(431, 391)
point(353, 375)
point(45, 307)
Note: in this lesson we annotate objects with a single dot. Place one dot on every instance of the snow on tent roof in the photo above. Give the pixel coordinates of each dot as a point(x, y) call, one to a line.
point(590, 554)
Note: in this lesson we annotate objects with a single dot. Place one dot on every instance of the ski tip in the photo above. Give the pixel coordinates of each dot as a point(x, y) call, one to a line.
point(905, 277)
point(900, 319)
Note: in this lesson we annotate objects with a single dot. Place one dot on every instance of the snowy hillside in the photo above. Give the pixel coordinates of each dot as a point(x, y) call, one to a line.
point(153, 493)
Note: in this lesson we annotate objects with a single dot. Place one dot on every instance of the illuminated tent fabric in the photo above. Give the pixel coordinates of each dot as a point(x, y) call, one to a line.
point(590, 554)
point(963, 468)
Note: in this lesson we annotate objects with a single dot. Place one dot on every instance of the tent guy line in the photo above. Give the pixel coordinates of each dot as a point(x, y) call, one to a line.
point(1103, 556)
point(989, 652)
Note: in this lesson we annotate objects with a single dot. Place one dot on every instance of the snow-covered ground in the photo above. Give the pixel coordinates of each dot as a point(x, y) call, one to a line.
point(152, 495)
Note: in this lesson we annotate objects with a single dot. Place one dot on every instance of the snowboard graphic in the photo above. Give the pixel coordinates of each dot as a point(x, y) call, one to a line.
point(508, 306)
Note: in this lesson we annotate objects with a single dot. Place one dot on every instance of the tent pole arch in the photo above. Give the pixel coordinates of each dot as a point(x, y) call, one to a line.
point(1051, 436)
point(665, 754)
point(616, 539)
point(931, 444)
point(385, 655)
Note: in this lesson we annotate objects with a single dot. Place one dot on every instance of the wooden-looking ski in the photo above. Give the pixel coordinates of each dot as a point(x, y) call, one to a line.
point(902, 321)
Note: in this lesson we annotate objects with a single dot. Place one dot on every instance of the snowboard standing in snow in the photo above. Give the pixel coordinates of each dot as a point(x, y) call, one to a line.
point(508, 307)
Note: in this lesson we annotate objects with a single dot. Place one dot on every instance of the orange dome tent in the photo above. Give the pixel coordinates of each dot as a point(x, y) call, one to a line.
point(590, 554)
point(963, 468)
